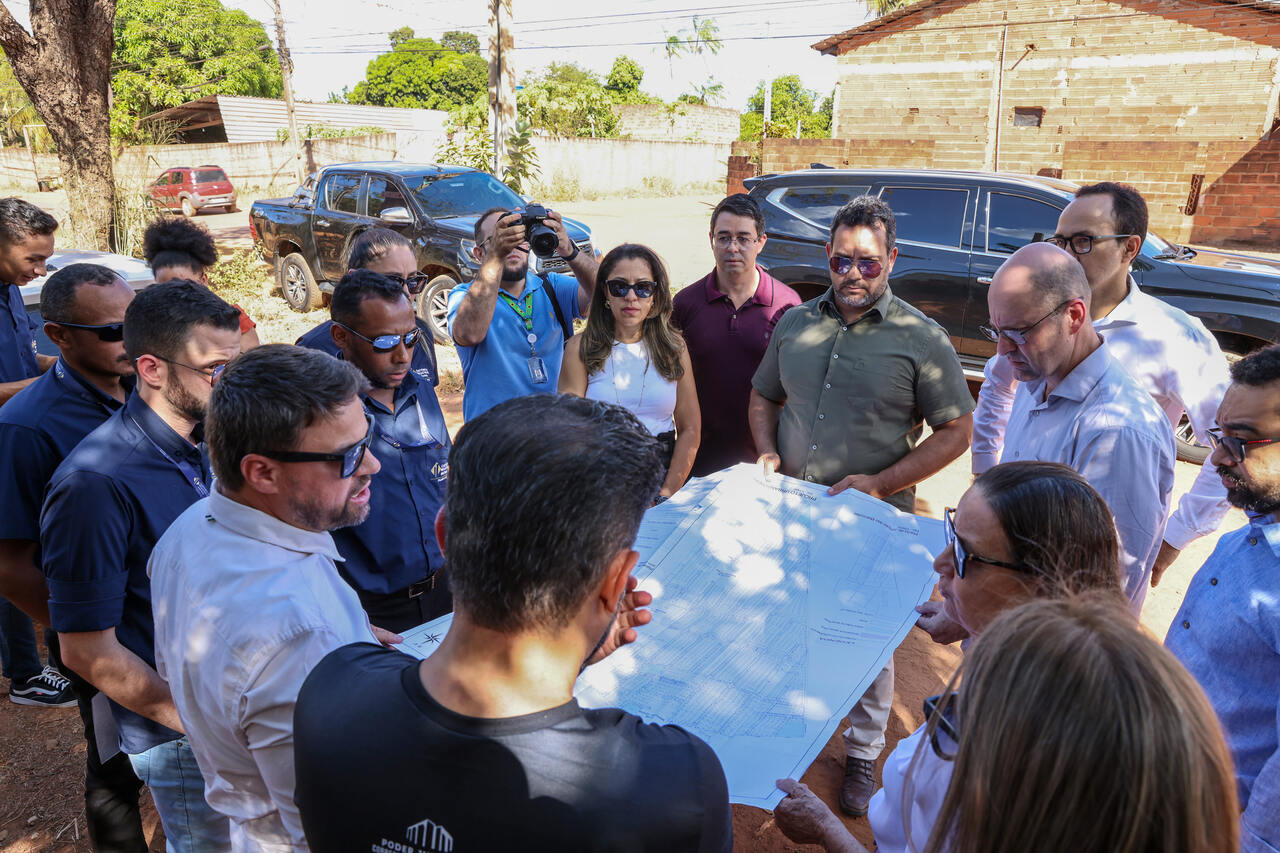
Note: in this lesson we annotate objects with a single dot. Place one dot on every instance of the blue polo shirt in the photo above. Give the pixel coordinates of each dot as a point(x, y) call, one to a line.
point(396, 546)
point(498, 369)
point(422, 362)
point(38, 428)
point(108, 503)
point(17, 337)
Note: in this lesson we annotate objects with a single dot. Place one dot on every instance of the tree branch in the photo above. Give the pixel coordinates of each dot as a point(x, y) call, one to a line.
point(17, 43)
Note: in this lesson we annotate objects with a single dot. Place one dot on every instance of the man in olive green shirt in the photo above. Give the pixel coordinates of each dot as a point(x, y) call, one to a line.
point(840, 398)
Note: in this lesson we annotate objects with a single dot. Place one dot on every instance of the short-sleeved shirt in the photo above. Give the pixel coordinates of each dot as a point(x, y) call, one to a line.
point(725, 346)
point(17, 337)
point(39, 426)
point(422, 362)
point(497, 369)
point(108, 504)
point(564, 779)
point(857, 394)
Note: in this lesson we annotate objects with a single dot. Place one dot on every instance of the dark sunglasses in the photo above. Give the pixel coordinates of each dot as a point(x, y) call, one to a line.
point(350, 458)
point(386, 343)
point(962, 554)
point(415, 283)
point(619, 286)
point(108, 332)
point(867, 268)
point(1237, 448)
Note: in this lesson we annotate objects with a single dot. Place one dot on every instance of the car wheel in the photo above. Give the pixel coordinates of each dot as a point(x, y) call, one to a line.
point(188, 209)
point(1189, 448)
point(297, 284)
point(433, 306)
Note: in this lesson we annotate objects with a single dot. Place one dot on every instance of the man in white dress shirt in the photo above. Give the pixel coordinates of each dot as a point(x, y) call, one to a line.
point(245, 592)
point(1169, 352)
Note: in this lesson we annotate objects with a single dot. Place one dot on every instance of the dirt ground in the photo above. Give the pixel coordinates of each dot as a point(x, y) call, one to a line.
point(42, 751)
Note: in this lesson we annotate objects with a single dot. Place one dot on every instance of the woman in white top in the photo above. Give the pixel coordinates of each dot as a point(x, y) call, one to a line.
point(1023, 531)
point(631, 355)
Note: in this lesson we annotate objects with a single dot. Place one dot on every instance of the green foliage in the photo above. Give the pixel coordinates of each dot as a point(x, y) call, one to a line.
point(793, 105)
point(468, 146)
point(324, 131)
point(16, 111)
point(239, 276)
point(567, 100)
point(170, 53)
point(884, 7)
point(522, 161)
point(701, 37)
point(423, 73)
point(400, 36)
point(705, 93)
point(623, 82)
point(461, 41)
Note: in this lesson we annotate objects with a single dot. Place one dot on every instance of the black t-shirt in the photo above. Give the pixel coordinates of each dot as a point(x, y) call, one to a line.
point(381, 766)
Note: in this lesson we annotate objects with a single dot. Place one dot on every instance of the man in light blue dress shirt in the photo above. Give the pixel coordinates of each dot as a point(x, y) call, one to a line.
point(1227, 633)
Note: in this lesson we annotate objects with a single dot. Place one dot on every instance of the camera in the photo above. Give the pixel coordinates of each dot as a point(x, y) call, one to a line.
point(542, 240)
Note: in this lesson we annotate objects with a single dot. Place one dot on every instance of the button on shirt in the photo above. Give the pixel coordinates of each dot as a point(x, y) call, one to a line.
point(725, 346)
point(1175, 359)
point(497, 369)
point(422, 360)
point(855, 395)
point(17, 337)
point(245, 606)
point(396, 546)
point(1100, 423)
point(1227, 635)
point(107, 505)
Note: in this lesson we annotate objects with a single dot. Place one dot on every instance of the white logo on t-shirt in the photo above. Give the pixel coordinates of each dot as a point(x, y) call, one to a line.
point(425, 836)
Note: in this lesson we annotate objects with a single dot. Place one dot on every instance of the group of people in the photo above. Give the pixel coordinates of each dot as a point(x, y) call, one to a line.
point(225, 538)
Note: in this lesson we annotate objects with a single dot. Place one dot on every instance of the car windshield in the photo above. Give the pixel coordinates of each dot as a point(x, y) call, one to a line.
point(461, 194)
point(204, 176)
point(1156, 245)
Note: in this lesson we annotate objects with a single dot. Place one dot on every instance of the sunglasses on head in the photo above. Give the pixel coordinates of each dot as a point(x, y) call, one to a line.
point(618, 287)
point(350, 458)
point(107, 332)
point(385, 343)
point(867, 268)
point(414, 282)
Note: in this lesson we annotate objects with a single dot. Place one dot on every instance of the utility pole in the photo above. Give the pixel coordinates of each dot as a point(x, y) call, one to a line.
point(286, 72)
point(502, 82)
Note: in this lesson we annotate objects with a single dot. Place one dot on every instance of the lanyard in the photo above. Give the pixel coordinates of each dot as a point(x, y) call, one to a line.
point(195, 475)
point(524, 310)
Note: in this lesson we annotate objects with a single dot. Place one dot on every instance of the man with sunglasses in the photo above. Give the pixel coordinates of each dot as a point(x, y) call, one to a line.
point(106, 506)
point(1227, 632)
point(247, 595)
point(1169, 352)
point(840, 397)
point(393, 560)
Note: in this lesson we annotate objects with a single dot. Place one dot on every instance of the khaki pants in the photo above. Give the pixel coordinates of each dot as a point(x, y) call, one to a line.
point(868, 719)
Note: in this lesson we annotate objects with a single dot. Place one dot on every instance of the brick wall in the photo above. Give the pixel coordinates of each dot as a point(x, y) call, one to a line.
point(1241, 207)
point(683, 122)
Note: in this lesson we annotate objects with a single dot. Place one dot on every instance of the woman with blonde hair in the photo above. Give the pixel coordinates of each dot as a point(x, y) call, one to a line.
point(631, 355)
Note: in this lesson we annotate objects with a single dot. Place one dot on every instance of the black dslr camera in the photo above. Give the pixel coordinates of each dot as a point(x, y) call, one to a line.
point(542, 240)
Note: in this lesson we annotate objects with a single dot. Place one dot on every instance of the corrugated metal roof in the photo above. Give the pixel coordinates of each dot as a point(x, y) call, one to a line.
point(258, 119)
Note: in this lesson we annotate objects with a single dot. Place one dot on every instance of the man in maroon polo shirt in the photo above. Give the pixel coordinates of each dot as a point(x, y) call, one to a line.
point(727, 319)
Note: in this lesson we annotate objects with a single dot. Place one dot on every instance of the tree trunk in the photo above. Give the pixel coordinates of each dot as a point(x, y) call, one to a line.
point(64, 65)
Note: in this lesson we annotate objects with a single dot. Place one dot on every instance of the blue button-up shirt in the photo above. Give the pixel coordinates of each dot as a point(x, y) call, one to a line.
point(396, 546)
point(108, 503)
point(423, 360)
point(497, 369)
point(38, 428)
point(1227, 635)
point(17, 337)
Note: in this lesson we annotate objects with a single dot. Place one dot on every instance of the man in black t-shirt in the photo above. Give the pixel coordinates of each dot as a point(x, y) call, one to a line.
point(482, 746)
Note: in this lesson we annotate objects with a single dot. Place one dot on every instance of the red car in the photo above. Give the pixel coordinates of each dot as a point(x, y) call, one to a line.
point(192, 189)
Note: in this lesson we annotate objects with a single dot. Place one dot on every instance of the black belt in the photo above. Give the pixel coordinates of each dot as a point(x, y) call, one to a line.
point(416, 589)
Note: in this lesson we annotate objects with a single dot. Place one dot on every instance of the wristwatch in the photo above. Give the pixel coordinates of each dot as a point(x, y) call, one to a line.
point(576, 250)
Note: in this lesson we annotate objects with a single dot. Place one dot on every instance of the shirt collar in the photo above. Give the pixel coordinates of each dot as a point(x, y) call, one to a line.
point(77, 384)
point(532, 282)
point(827, 302)
point(164, 436)
point(1077, 384)
point(407, 389)
point(1269, 528)
point(762, 296)
point(1127, 313)
point(257, 525)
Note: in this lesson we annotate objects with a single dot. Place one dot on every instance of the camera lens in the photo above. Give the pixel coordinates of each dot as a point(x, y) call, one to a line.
point(542, 240)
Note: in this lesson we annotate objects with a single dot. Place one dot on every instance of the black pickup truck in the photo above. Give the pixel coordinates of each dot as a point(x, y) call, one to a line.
point(306, 236)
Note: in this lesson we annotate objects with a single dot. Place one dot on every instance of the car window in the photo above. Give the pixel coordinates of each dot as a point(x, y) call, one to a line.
point(928, 214)
point(382, 195)
point(342, 193)
point(162, 181)
point(1013, 221)
point(818, 205)
point(177, 177)
point(461, 194)
point(206, 176)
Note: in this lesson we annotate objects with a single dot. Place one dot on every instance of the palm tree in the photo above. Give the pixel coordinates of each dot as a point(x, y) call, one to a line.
point(884, 7)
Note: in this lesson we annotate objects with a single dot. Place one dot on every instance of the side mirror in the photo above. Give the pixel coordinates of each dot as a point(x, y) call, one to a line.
point(397, 215)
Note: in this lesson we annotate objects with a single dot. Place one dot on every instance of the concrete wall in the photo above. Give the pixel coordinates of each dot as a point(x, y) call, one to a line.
point(618, 165)
point(686, 122)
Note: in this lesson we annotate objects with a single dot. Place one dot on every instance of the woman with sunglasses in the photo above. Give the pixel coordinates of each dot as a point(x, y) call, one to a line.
point(630, 354)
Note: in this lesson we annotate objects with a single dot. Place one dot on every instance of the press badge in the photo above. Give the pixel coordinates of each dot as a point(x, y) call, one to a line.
point(537, 370)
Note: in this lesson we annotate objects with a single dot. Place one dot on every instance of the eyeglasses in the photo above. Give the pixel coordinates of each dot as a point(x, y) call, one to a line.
point(946, 722)
point(385, 343)
point(210, 373)
point(350, 458)
point(415, 283)
point(1237, 448)
point(724, 241)
point(867, 268)
point(1082, 244)
point(106, 332)
point(1018, 337)
point(962, 554)
point(618, 287)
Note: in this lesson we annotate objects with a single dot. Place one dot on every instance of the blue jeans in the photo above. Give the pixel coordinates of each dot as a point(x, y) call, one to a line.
point(19, 658)
point(177, 788)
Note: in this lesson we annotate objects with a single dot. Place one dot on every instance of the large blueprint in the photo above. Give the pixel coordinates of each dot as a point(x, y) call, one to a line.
point(775, 605)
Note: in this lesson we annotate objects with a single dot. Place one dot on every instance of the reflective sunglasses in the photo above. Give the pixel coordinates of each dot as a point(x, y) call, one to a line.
point(210, 373)
point(1237, 448)
point(415, 283)
point(1082, 244)
point(962, 554)
point(385, 343)
point(618, 287)
point(867, 268)
point(946, 722)
point(1018, 337)
point(107, 332)
point(350, 458)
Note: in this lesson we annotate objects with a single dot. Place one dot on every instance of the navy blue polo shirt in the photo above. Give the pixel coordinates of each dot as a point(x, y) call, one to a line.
point(39, 426)
point(422, 362)
point(396, 546)
point(108, 503)
point(17, 337)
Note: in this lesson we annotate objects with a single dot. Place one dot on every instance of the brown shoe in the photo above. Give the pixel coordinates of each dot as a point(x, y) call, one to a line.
point(859, 785)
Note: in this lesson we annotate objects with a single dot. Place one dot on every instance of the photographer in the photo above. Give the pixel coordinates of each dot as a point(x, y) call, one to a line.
point(510, 333)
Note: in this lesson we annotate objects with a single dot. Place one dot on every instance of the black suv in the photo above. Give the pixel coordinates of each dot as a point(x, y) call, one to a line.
point(956, 228)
